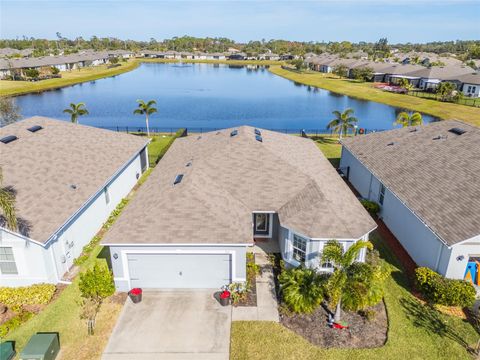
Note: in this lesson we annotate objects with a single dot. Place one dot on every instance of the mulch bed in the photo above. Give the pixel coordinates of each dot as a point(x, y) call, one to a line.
point(361, 333)
point(118, 298)
point(251, 298)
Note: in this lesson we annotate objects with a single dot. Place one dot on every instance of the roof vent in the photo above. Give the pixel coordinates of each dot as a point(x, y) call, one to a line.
point(234, 133)
point(178, 179)
point(258, 132)
point(258, 138)
point(8, 139)
point(457, 131)
point(198, 138)
point(413, 130)
point(439, 137)
point(35, 128)
point(391, 143)
point(73, 187)
point(189, 164)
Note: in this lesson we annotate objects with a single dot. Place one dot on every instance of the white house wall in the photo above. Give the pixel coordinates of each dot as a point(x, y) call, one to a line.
point(418, 240)
point(460, 254)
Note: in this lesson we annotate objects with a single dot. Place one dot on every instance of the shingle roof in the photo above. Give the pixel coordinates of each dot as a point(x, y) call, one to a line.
point(231, 177)
point(442, 72)
point(473, 78)
point(41, 166)
point(436, 179)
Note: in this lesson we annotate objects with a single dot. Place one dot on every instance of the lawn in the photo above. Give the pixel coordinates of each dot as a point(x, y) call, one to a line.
point(415, 331)
point(366, 91)
point(330, 147)
point(68, 78)
point(155, 148)
point(63, 314)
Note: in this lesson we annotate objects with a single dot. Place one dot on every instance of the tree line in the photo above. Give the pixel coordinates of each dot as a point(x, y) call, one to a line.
point(466, 49)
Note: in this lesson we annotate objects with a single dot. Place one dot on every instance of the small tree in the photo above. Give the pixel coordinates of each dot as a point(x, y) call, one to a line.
point(446, 90)
point(363, 73)
point(343, 264)
point(340, 70)
point(95, 286)
point(75, 111)
point(32, 73)
point(343, 122)
point(146, 109)
point(408, 119)
point(54, 70)
point(298, 63)
point(405, 84)
point(114, 60)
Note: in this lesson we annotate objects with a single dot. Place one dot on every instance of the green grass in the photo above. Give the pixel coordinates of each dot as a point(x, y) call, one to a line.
point(366, 91)
point(156, 147)
point(63, 314)
point(8, 88)
point(330, 147)
point(415, 331)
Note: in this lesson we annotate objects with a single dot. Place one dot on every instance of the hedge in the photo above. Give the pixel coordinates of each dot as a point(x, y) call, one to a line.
point(38, 294)
point(440, 290)
point(371, 206)
point(14, 323)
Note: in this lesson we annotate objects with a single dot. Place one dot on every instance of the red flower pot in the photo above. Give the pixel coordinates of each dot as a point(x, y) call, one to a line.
point(225, 298)
point(136, 295)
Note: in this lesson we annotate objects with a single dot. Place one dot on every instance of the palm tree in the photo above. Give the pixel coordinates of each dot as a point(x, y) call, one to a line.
point(338, 282)
point(75, 111)
point(408, 119)
point(7, 205)
point(146, 109)
point(342, 122)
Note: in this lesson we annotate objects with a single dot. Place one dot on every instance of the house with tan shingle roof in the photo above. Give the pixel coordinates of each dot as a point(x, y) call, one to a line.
point(425, 179)
point(67, 179)
point(212, 196)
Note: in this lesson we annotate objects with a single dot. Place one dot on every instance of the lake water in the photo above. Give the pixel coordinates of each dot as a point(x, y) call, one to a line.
point(206, 96)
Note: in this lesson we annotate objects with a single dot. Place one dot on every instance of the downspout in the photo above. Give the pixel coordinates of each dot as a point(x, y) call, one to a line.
point(437, 263)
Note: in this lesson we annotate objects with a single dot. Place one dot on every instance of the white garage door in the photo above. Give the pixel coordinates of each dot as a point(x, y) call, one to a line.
point(179, 271)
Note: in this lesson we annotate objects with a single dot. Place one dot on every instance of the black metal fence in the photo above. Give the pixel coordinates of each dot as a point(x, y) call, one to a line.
point(475, 102)
point(201, 130)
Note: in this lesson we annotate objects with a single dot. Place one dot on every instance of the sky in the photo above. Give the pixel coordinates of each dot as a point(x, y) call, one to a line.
point(328, 20)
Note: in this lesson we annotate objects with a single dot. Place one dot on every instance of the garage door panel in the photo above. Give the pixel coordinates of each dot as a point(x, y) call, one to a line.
point(179, 270)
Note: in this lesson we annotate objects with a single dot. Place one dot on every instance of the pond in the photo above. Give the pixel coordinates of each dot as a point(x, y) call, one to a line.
point(206, 96)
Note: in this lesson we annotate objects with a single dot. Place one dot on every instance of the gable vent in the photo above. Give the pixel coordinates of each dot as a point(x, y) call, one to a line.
point(234, 133)
point(178, 179)
point(457, 131)
point(258, 138)
point(35, 128)
point(8, 139)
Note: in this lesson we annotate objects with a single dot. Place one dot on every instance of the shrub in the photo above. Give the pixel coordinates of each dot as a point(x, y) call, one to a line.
point(440, 290)
point(302, 289)
point(97, 283)
point(14, 323)
point(371, 206)
point(32, 73)
point(252, 268)
point(54, 70)
point(238, 291)
point(38, 294)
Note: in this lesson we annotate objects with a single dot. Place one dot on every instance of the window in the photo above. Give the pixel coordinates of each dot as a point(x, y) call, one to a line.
point(469, 89)
point(261, 222)
point(107, 195)
point(381, 195)
point(299, 248)
point(474, 88)
point(7, 261)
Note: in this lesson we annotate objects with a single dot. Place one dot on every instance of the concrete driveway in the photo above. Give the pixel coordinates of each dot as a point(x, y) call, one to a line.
point(172, 325)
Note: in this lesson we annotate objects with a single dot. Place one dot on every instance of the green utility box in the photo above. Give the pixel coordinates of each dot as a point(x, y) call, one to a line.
point(42, 346)
point(7, 350)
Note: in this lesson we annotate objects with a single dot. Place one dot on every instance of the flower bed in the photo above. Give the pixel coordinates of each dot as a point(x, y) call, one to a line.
point(250, 296)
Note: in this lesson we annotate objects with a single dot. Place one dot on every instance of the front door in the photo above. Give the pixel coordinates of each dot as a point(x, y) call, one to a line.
point(262, 224)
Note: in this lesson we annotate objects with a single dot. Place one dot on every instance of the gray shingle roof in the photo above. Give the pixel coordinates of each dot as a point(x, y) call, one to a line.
point(436, 179)
point(41, 166)
point(231, 177)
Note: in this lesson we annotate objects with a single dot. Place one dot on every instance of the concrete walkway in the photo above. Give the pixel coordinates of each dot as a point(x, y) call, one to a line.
point(175, 325)
point(267, 307)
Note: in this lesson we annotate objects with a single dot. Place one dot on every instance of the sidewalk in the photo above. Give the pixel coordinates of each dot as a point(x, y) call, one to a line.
point(266, 309)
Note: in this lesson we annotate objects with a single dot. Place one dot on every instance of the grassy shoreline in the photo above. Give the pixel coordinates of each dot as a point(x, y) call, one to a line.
point(15, 88)
point(366, 91)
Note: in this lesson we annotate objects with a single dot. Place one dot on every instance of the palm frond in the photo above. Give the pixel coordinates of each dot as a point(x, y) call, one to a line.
point(7, 207)
point(352, 253)
point(332, 252)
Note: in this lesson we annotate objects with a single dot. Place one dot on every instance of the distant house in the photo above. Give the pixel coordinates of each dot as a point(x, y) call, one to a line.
point(269, 56)
point(208, 202)
point(68, 178)
point(9, 52)
point(432, 76)
point(237, 56)
point(425, 180)
point(468, 84)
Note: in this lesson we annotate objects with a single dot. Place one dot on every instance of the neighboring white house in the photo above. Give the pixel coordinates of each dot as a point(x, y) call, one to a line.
point(67, 178)
point(469, 84)
point(425, 179)
point(214, 195)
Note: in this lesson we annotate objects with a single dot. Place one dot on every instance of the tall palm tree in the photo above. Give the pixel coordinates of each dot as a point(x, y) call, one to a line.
point(75, 111)
point(146, 109)
point(408, 119)
point(7, 205)
point(342, 122)
point(342, 262)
